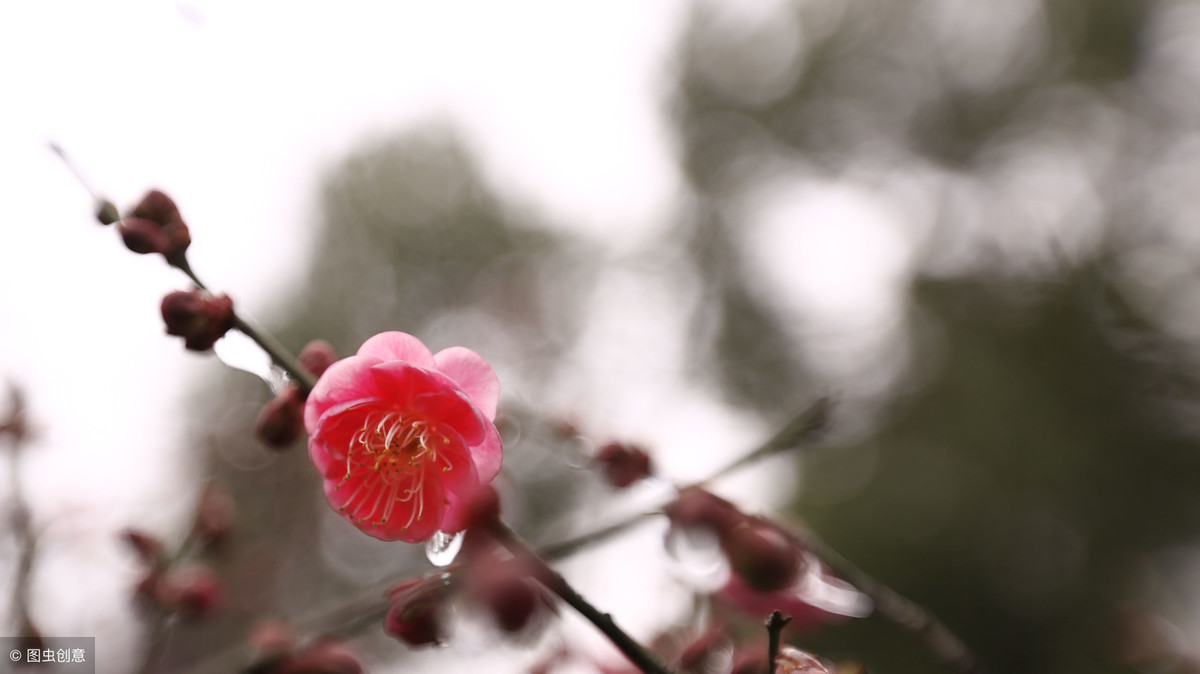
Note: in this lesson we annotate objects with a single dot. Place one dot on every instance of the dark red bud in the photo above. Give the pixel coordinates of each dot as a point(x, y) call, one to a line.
point(157, 207)
point(197, 316)
point(215, 514)
point(317, 356)
point(763, 556)
point(623, 463)
point(282, 419)
point(143, 236)
point(695, 507)
point(482, 507)
point(193, 592)
point(414, 615)
point(508, 592)
point(170, 234)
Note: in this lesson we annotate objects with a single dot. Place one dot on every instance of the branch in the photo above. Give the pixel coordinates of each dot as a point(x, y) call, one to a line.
point(554, 581)
point(903, 612)
point(775, 625)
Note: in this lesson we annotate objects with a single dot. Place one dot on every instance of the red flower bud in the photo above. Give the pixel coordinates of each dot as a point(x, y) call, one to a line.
point(507, 590)
point(197, 316)
point(763, 556)
point(415, 614)
point(623, 464)
point(157, 207)
point(317, 356)
point(160, 210)
point(143, 236)
point(281, 420)
point(194, 591)
point(215, 514)
point(695, 507)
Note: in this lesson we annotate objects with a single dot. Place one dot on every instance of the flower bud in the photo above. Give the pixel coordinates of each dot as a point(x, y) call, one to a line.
point(415, 613)
point(193, 591)
point(215, 513)
point(763, 556)
point(142, 236)
point(695, 507)
point(317, 356)
point(623, 464)
point(282, 419)
point(106, 212)
point(507, 591)
point(159, 209)
point(197, 316)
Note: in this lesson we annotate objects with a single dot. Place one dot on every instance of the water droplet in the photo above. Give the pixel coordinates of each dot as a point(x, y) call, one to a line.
point(443, 548)
point(238, 351)
point(278, 379)
point(698, 558)
point(818, 587)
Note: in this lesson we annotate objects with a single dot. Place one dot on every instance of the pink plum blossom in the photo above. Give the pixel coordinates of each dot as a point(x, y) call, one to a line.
point(404, 437)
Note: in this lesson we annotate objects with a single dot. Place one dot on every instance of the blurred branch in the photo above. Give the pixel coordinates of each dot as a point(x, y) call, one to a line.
point(800, 433)
point(901, 611)
point(15, 429)
point(554, 581)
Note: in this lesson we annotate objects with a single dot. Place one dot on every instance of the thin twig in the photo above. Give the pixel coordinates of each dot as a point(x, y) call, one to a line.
point(775, 625)
point(278, 353)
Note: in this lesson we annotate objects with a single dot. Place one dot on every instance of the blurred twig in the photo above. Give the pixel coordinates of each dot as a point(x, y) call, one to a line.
point(16, 430)
point(901, 611)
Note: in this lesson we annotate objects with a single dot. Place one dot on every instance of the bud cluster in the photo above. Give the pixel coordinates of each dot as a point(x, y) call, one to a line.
point(154, 226)
point(277, 650)
point(281, 420)
point(185, 587)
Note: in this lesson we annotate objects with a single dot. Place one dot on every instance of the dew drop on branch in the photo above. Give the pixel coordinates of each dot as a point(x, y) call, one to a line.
point(443, 548)
point(238, 351)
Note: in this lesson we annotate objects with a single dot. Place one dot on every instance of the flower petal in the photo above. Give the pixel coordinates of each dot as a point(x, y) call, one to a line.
point(488, 454)
point(473, 375)
point(397, 346)
point(398, 383)
point(345, 380)
point(451, 407)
